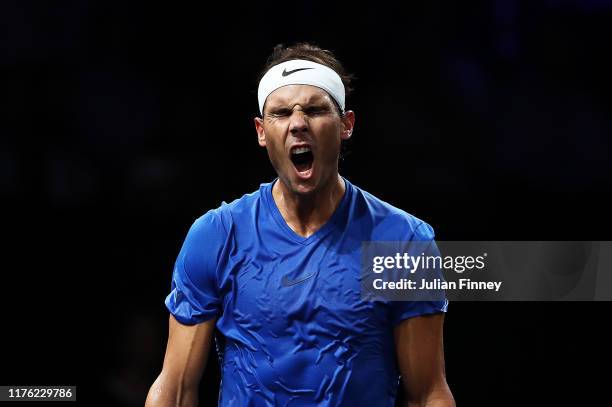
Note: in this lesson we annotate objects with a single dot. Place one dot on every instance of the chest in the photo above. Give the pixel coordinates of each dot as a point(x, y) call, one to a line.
point(305, 292)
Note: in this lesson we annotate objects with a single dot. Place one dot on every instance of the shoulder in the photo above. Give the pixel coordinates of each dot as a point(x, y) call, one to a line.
point(390, 222)
point(226, 215)
point(210, 234)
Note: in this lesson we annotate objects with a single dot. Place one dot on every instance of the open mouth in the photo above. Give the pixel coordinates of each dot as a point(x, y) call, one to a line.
point(302, 159)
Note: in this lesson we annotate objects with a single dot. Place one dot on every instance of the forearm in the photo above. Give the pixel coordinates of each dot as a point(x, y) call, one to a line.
point(165, 394)
point(441, 398)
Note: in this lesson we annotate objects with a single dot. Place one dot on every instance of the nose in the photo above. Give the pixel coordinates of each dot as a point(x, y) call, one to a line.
point(298, 122)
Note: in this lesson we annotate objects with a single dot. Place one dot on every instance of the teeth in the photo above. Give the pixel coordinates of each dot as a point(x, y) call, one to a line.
point(300, 150)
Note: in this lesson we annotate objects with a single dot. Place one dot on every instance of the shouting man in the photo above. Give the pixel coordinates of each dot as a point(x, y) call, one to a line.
point(275, 275)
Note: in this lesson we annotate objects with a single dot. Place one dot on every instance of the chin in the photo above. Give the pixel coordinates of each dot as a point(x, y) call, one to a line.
point(300, 188)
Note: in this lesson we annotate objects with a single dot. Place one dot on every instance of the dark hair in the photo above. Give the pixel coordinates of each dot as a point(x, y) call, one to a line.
point(310, 52)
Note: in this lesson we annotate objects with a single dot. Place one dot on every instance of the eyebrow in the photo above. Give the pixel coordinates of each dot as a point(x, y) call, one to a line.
point(284, 107)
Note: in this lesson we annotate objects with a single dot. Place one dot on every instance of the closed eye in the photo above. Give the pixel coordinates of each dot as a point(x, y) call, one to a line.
point(314, 110)
point(282, 112)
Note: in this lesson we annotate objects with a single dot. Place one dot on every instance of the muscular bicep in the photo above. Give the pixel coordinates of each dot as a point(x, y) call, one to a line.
point(186, 355)
point(420, 356)
point(187, 350)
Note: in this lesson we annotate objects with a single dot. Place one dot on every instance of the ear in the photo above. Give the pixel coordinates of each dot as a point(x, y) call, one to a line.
point(261, 133)
point(348, 122)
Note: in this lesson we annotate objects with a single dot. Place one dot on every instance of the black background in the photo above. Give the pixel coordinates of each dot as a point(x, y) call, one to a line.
point(123, 122)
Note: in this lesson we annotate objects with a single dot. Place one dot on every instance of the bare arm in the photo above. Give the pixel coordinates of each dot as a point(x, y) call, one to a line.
point(186, 355)
point(420, 355)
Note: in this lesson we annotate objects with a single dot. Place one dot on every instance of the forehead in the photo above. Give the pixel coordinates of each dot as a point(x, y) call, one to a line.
point(294, 94)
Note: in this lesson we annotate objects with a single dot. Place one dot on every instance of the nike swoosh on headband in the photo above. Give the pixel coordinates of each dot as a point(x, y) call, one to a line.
point(314, 74)
point(287, 73)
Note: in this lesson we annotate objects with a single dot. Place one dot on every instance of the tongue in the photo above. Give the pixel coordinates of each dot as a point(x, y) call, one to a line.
point(303, 161)
point(305, 166)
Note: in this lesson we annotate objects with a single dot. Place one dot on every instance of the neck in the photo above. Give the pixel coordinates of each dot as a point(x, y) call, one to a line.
point(305, 214)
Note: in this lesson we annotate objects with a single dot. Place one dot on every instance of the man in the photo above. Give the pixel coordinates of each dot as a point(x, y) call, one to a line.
point(276, 272)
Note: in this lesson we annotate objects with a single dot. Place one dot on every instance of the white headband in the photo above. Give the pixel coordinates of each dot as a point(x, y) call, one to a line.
point(301, 72)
